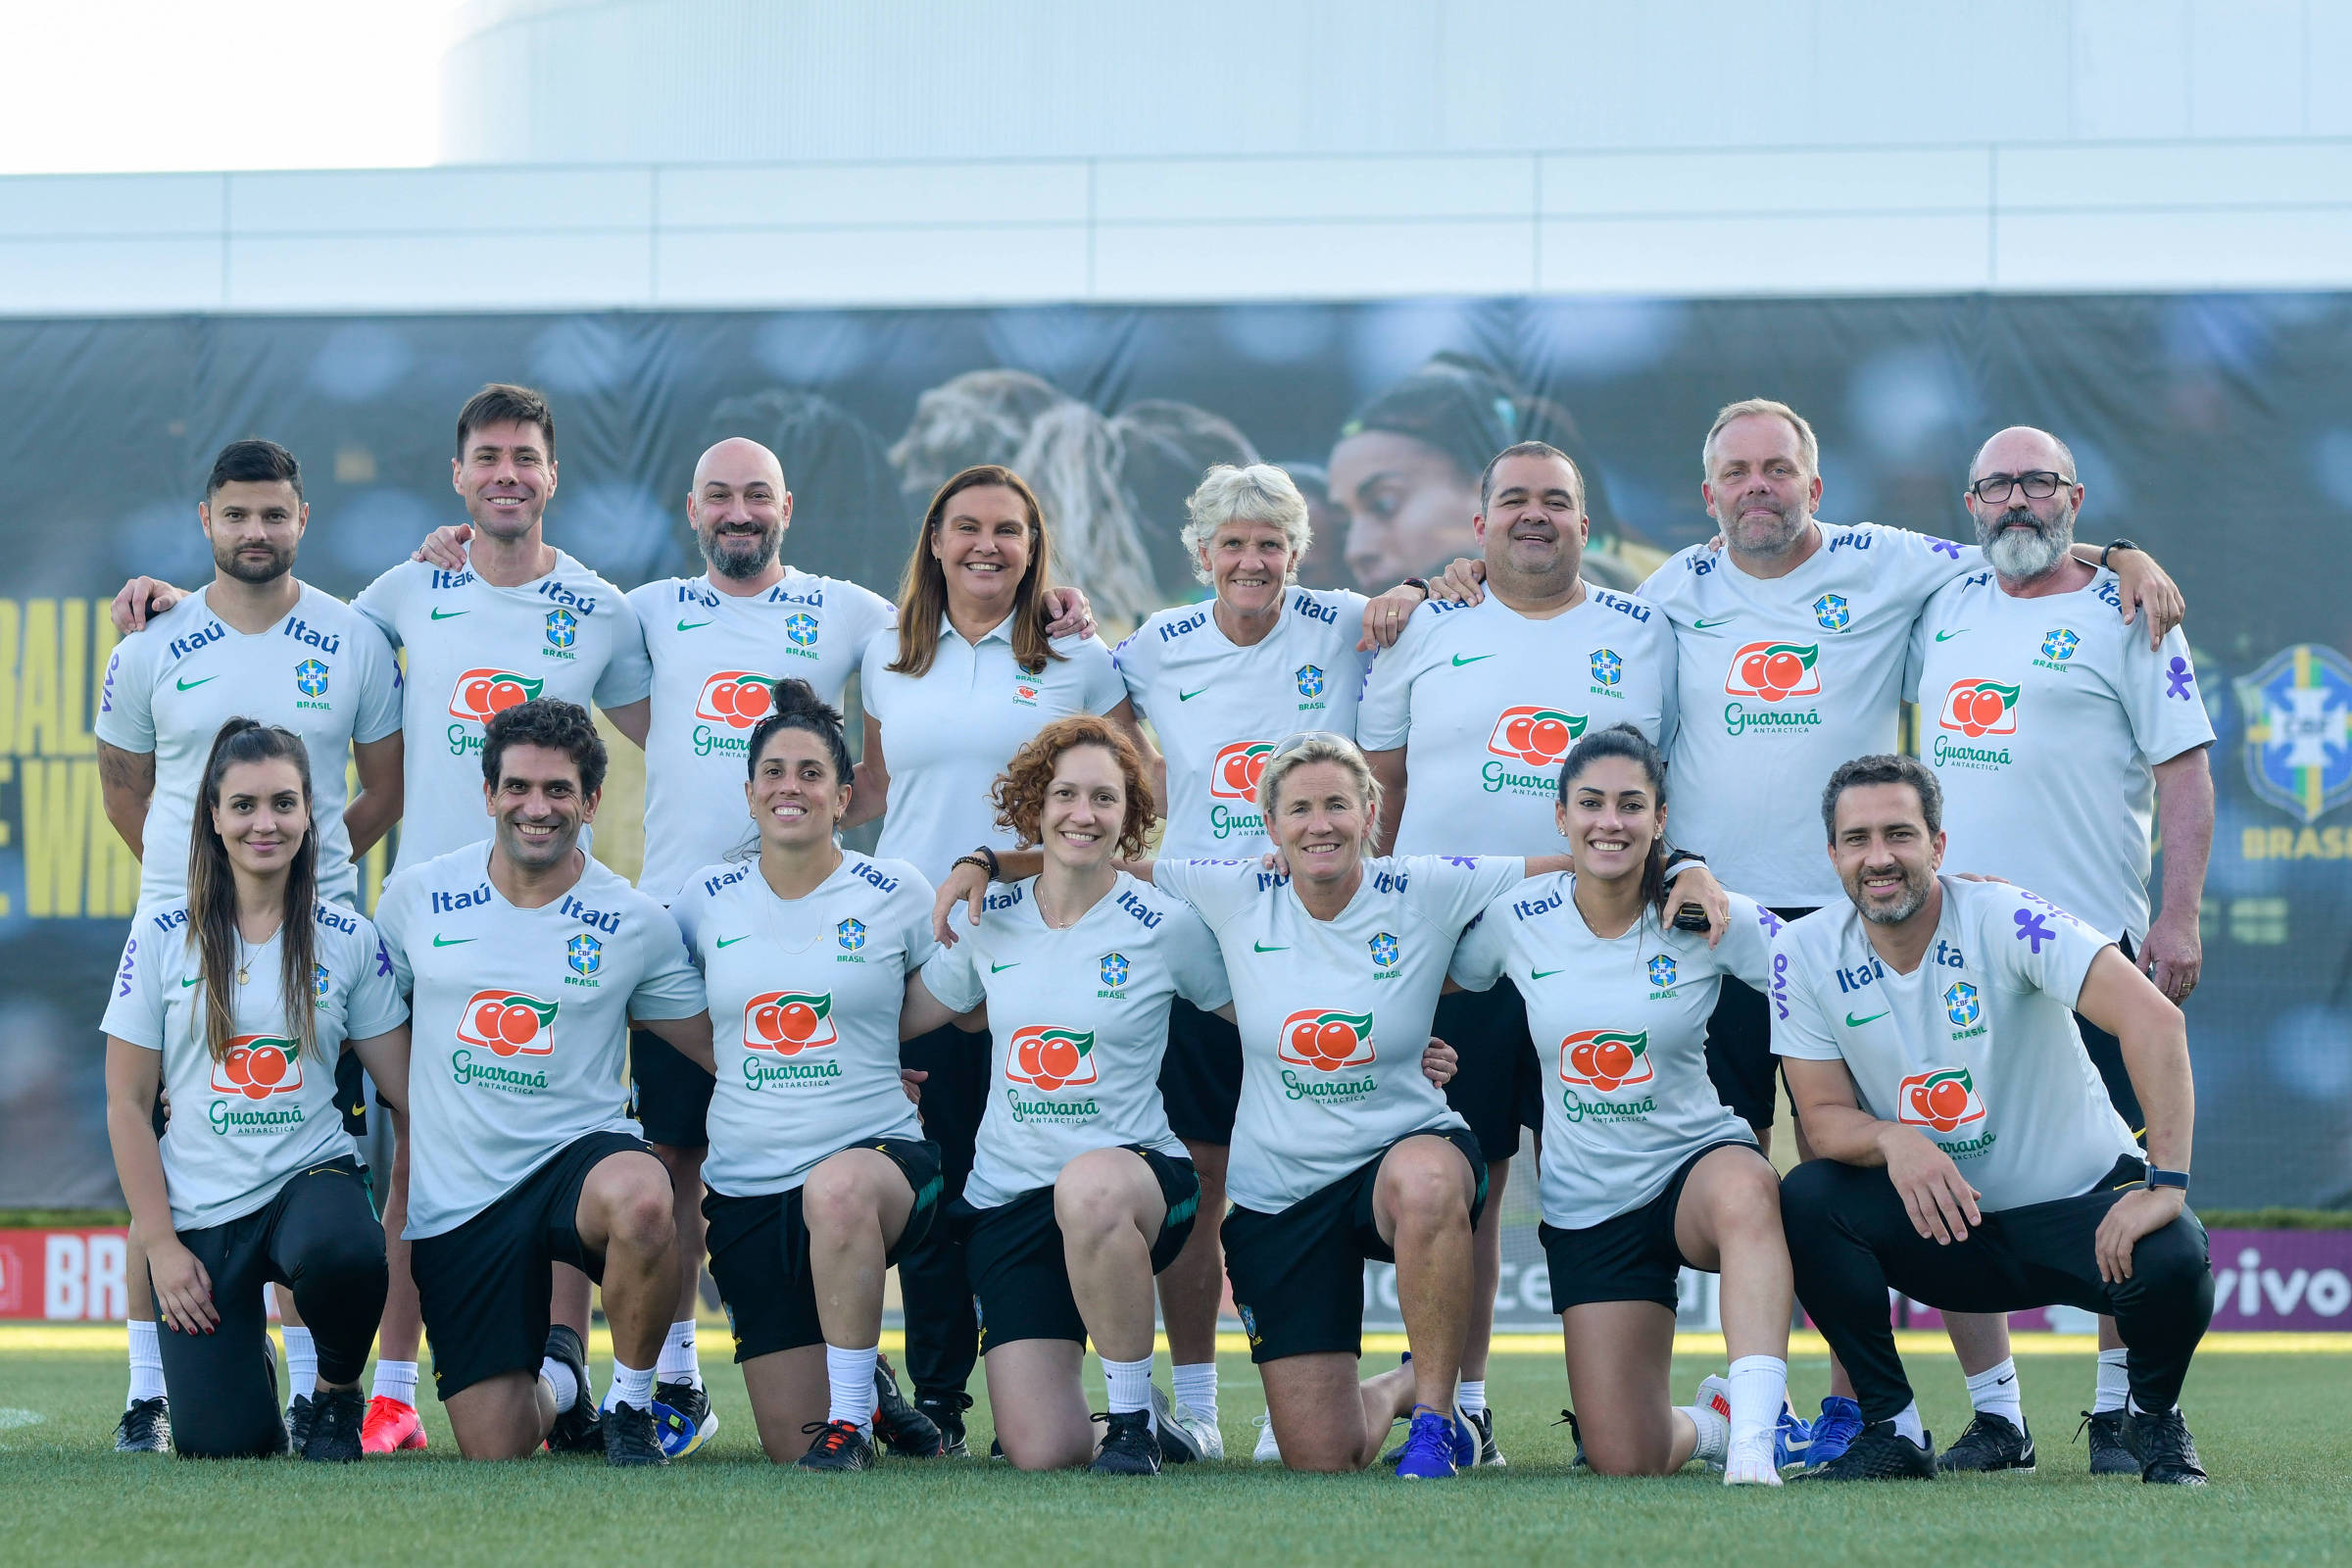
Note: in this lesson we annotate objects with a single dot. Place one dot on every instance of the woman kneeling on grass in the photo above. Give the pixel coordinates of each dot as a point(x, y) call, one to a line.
point(236, 1003)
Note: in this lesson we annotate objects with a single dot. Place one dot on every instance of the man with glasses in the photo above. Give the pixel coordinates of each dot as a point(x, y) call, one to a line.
point(2059, 738)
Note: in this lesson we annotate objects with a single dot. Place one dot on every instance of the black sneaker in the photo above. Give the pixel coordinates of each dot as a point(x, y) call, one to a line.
point(2111, 1449)
point(945, 1411)
point(898, 1425)
point(1990, 1442)
point(1576, 1436)
point(2168, 1455)
point(332, 1433)
point(301, 1416)
point(839, 1445)
point(1879, 1453)
point(1482, 1422)
point(1129, 1448)
point(576, 1429)
point(145, 1427)
point(682, 1413)
point(630, 1438)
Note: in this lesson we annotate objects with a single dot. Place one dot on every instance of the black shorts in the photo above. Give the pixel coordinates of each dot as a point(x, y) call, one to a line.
point(1500, 1086)
point(351, 1093)
point(1626, 1258)
point(1299, 1275)
point(1020, 1275)
point(1740, 1059)
point(2106, 1053)
point(1201, 1076)
point(668, 1095)
point(483, 1287)
point(760, 1252)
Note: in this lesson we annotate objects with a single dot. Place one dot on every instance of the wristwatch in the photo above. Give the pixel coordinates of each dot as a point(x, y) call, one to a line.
point(2115, 545)
point(1421, 583)
point(2168, 1178)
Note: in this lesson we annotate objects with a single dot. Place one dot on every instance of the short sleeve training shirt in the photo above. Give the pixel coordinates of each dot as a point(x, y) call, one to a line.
point(240, 1126)
point(1334, 1014)
point(1078, 1021)
point(521, 1021)
point(2044, 719)
point(1977, 1048)
point(323, 671)
point(1487, 702)
point(715, 657)
point(1219, 709)
point(805, 1001)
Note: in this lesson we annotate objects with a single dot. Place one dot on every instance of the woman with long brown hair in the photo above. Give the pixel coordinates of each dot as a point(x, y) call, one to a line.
point(237, 1001)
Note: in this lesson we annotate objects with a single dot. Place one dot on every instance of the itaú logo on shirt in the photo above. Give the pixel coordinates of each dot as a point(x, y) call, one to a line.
point(1774, 671)
point(258, 1066)
point(1326, 1040)
point(509, 1023)
point(1234, 776)
point(1606, 1059)
point(1944, 1100)
point(789, 1022)
point(1048, 1056)
point(1532, 734)
point(480, 693)
point(735, 698)
point(1978, 707)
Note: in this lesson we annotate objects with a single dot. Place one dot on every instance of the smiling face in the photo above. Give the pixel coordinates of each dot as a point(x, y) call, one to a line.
point(739, 508)
point(263, 815)
point(1534, 529)
point(794, 795)
point(1757, 487)
point(506, 476)
point(538, 805)
point(1610, 817)
point(983, 544)
point(1084, 809)
point(254, 527)
point(1320, 821)
point(1409, 507)
point(1249, 566)
point(1883, 852)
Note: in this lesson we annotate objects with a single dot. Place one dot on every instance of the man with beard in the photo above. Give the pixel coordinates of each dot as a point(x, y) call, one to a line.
point(260, 644)
point(2059, 739)
point(1969, 1155)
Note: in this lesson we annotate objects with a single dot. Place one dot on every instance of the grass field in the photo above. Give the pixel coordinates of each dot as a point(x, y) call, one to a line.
point(2269, 1426)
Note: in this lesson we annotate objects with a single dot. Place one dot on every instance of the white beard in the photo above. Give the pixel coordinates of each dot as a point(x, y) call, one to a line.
point(2022, 554)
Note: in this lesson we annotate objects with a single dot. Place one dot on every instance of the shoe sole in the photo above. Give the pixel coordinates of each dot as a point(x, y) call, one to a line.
point(704, 1431)
point(2010, 1468)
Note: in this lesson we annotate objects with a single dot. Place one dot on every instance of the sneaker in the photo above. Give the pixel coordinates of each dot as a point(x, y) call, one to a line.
point(2168, 1455)
point(839, 1445)
point(1990, 1442)
point(1267, 1452)
point(331, 1435)
point(1834, 1429)
point(898, 1425)
point(945, 1411)
point(2111, 1440)
point(1711, 1412)
point(1576, 1434)
point(1483, 1424)
point(1879, 1453)
point(390, 1425)
point(576, 1429)
point(145, 1427)
point(1184, 1436)
point(1431, 1447)
point(1792, 1440)
point(301, 1416)
point(683, 1416)
point(1128, 1447)
point(629, 1437)
point(1751, 1461)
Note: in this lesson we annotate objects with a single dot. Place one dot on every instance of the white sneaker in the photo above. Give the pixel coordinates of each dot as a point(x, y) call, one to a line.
point(1186, 1436)
point(1711, 1413)
point(1749, 1463)
point(1266, 1451)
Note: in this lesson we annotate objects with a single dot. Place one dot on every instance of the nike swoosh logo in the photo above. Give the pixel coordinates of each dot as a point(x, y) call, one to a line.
point(1947, 636)
point(689, 626)
point(440, 941)
point(1853, 1022)
point(1710, 625)
point(1459, 661)
point(728, 942)
point(1186, 697)
point(450, 615)
point(1262, 948)
point(191, 980)
point(1545, 974)
point(191, 685)
point(2011, 1378)
point(1000, 968)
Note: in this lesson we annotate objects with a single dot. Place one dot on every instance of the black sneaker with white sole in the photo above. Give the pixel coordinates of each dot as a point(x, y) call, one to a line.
point(1129, 1448)
point(1879, 1453)
point(899, 1426)
point(2111, 1451)
point(145, 1427)
point(837, 1446)
point(1482, 1422)
point(682, 1417)
point(631, 1439)
point(946, 1412)
point(332, 1433)
point(1990, 1442)
point(301, 1416)
point(577, 1429)
point(2168, 1455)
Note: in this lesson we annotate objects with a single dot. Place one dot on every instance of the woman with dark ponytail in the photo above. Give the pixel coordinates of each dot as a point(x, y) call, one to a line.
point(238, 1000)
point(1643, 1169)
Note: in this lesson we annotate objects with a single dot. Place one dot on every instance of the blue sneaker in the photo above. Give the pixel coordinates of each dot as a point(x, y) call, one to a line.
point(1791, 1440)
point(1834, 1432)
point(1431, 1447)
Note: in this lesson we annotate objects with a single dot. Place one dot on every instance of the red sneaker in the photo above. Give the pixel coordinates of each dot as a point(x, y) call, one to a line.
point(390, 1426)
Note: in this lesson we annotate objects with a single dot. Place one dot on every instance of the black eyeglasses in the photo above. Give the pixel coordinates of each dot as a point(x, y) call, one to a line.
point(2039, 485)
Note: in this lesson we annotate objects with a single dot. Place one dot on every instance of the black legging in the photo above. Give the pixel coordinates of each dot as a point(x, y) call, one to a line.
point(943, 1332)
point(1851, 1239)
point(318, 1238)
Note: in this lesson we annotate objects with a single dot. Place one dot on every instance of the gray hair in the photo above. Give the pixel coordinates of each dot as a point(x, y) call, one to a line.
point(1258, 493)
point(1808, 449)
point(1319, 745)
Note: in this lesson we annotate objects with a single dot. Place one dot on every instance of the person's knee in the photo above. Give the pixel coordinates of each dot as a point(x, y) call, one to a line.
point(643, 1220)
point(836, 1205)
point(1620, 1454)
point(1428, 1189)
point(1747, 1205)
point(2171, 1265)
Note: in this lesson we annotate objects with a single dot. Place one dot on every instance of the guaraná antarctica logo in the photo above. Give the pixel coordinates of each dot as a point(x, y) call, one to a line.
point(258, 1066)
point(1326, 1040)
point(1976, 707)
point(789, 1022)
point(1048, 1056)
point(1944, 1100)
point(735, 699)
point(507, 1023)
point(2298, 745)
point(1605, 1059)
point(481, 692)
point(1533, 734)
point(1773, 672)
point(1238, 767)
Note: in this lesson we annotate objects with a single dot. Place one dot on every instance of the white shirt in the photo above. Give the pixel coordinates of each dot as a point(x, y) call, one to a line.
point(474, 648)
point(1218, 708)
point(805, 1001)
point(521, 1021)
point(1334, 1014)
point(242, 1125)
point(1977, 1048)
point(2044, 719)
point(322, 671)
point(713, 657)
point(1782, 679)
point(1078, 1021)
point(1488, 701)
point(947, 733)
point(1621, 1030)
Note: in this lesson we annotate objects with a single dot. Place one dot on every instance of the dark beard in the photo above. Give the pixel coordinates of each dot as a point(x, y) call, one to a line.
point(739, 558)
point(278, 565)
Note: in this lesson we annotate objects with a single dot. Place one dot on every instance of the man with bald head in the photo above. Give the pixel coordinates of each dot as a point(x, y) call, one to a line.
point(2060, 738)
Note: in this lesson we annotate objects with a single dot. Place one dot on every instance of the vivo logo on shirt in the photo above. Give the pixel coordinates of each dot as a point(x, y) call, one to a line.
point(451, 903)
point(1177, 628)
point(586, 916)
point(309, 636)
point(181, 646)
point(567, 598)
point(865, 873)
point(1140, 910)
point(1306, 604)
point(1861, 975)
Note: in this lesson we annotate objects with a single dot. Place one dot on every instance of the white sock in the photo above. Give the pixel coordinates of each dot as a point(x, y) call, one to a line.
point(1472, 1397)
point(678, 1362)
point(1130, 1384)
point(559, 1378)
point(1907, 1423)
point(1196, 1387)
point(1995, 1391)
point(2115, 1382)
point(302, 1363)
point(395, 1380)
point(146, 1365)
point(849, 1374)
point(632, 1386)
point(1714, 1435)
point(1759, 1388)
